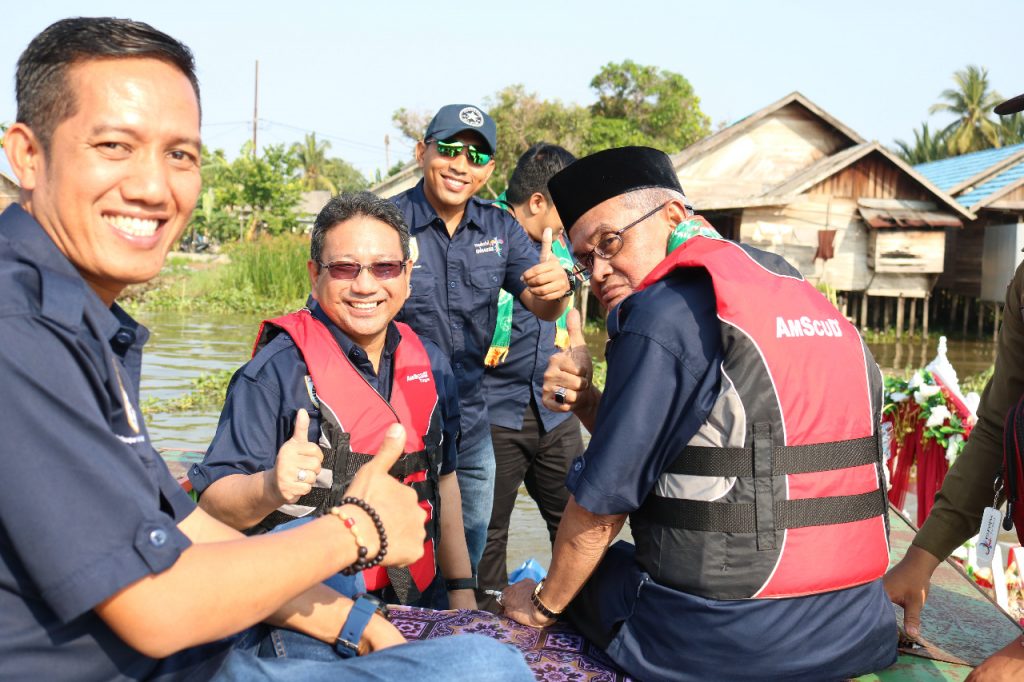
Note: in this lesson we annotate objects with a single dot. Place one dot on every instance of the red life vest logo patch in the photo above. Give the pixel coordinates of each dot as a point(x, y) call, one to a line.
point(421, 377)
point(805, 326)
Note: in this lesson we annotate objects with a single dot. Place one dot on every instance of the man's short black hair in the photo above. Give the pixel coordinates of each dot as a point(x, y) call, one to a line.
point(351, 205)
point(45, 97)
point(533, 170)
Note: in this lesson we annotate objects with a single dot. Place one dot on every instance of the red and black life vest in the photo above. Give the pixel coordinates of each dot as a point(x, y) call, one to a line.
point(354, 419)
point(780, 492)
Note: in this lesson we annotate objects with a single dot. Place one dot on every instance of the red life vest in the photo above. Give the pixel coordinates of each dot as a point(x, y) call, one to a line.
point(354, 419)
point(790, 453)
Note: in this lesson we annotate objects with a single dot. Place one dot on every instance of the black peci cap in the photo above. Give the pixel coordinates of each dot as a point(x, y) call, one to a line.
point(1010, 106)
point(582, 185)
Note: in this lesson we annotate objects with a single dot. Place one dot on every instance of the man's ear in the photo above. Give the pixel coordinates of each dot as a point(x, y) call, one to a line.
point(676, 211)
point(25, 154)
point(421, 150)
point(537, 204)
point(313, 268)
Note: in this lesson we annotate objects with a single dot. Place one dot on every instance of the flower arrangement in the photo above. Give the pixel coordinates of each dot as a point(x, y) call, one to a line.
point(922, 399)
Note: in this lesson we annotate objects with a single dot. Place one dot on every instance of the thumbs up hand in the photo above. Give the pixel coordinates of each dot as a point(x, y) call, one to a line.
point(297, 465)
point(395, 503)
point(567, 380)
point(547, 280)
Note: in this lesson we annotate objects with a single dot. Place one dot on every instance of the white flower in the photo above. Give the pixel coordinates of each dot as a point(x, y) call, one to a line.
point(915, 380)
point(953, 449)
point(898, 397)
point(938, 416)
point(926, 391)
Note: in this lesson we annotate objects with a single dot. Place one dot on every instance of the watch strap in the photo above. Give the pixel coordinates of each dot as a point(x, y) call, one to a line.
point(461, 584)
point(347, 644)
point(541, 606)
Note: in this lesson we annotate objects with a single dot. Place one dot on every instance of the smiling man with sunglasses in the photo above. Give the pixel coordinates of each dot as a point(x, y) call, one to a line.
point(467, 251)
point(346, 363)
point(742, 448)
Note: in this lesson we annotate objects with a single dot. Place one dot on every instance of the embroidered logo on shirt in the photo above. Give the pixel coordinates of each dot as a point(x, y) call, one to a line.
point(421, 377)
point(311, 390)
point(471, 116)
point(414, 249)
point(494, 245)
point(129, 412)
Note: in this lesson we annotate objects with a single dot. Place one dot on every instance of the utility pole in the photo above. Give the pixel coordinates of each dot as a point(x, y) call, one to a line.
point(255, 107)
point(387, 152)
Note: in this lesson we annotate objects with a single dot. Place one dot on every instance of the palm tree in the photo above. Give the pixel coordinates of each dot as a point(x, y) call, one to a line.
point(1011, 129)
point(313, 162)
point(971, 102)
point(926, 147)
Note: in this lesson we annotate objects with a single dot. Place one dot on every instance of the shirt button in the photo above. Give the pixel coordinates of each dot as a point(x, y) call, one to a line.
point(124, 337)
point(158, 537)
point(458, 365)
point(451, 284)
point(577, 466)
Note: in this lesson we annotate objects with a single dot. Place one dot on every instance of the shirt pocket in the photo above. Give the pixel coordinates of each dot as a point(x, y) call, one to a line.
point(486, 283)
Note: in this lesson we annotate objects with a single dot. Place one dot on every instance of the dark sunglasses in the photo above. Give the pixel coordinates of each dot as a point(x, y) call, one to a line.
point(453, 149)
point(385, 269)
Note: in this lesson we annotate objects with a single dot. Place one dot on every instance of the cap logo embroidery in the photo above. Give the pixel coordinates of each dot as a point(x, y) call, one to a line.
point(472, 116)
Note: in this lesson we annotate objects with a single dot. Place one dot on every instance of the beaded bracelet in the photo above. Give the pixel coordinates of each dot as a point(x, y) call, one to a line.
point(361, 563)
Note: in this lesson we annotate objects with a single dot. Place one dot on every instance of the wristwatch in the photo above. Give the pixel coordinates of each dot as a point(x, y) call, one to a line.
point(541, 606)
point(347, 644)
point(461, 584)
point(573, 284)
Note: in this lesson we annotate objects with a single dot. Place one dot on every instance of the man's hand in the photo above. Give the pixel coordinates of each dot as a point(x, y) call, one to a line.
point(379, 634)
point(570, 372)
point(906, 583)
point(394, 502)
point(517, 605)
point(297, 465)
point(547, 280)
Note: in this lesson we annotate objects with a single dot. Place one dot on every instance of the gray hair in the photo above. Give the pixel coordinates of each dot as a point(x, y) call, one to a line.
point(648, 198)
point(353, 204)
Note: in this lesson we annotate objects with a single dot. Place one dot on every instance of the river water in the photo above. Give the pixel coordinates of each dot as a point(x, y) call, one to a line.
point(183, 346)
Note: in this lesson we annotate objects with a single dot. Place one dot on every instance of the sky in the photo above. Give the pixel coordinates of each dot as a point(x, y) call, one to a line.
point(341, 68)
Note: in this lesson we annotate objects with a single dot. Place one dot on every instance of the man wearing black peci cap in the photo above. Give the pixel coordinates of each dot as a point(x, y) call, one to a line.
point(465, 252)
point(967, 488)
point(737, 432)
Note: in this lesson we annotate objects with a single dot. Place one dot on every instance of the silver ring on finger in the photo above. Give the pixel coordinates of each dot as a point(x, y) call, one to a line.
point(302, 475)
point(560, 395)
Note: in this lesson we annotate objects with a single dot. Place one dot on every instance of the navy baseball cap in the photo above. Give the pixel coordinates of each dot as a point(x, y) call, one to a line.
point(452, 119)
point(1010, 106)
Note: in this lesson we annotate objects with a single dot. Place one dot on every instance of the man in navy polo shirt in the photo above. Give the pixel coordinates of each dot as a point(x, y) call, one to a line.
point(108, 571)
point(532, 444)
point(466, 251)
point(243, 482)
point(746, 458)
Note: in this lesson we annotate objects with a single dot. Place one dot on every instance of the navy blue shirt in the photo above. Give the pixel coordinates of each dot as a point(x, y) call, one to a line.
point(455, 285)
point(266, 392)
point(510, 386)
point(663, 378)
point(89, 506)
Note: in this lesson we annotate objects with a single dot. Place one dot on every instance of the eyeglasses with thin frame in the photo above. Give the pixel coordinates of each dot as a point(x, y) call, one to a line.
point(348, 270)
point(453, 148)
point(609, 245)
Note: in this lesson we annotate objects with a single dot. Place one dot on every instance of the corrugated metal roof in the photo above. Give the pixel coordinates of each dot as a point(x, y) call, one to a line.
point(990, 187)
point(949, 173)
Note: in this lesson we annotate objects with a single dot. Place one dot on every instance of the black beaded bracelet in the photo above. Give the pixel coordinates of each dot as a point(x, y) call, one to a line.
point(361, 563)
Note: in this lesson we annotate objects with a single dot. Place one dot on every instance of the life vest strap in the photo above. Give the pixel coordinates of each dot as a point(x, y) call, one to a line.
point(727, 517)
point(786, 459)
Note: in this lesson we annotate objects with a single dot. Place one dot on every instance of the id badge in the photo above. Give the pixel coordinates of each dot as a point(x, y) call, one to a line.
point(988, 536)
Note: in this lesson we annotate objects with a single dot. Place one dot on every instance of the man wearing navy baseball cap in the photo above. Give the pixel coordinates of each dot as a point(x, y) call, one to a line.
point(465, 251)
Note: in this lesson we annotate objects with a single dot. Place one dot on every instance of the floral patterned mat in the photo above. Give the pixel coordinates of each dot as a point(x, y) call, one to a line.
point(554, 654)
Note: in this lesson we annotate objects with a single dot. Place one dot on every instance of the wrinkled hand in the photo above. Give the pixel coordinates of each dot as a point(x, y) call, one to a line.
point(296, 454)
point(379, 634)
point(517, 605)
point(907, 582)
point(1005, 664)
point(571, 369)
point(394, 502)
point(547, 280)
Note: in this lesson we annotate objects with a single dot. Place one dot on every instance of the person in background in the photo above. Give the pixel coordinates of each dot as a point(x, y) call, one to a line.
point(532, 444)
point(344, 362)
point(108, 570)
point(967, 488)
point(464, 253)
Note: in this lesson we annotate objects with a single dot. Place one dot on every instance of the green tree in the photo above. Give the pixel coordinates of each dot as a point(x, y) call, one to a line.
point(344, 176)
point(1011, 129)
point(926, 147)
point(311, 157)
point(641, 104)
point(971, 102)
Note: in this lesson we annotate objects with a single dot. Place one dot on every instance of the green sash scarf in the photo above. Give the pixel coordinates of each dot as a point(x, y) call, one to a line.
point(498, 352)
point(691, 227)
